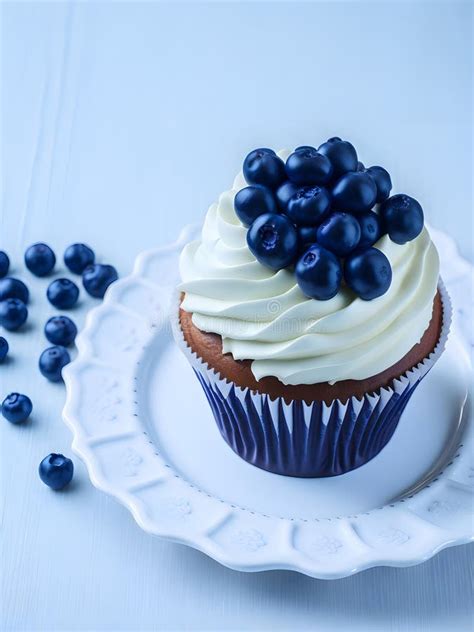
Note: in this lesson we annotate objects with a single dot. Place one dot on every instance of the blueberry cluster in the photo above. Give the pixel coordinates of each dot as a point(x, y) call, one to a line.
point(322, 212)
point(55, 470)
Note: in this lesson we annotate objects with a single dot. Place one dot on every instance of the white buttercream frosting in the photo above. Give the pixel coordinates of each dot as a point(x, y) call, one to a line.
point(263, 316)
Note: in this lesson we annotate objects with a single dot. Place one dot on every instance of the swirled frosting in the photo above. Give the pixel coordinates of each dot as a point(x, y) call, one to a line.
point(263, 316)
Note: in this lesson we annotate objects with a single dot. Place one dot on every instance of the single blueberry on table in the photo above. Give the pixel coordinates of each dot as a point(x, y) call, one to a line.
point(97, 278)
point(52, 361)
point(354, 192)
point(62, 293)
point(13, 288)
point(284, 193)
point(16, 408)
point(341, 154)
point(308, 206)
point(273, 241)
point(307, 166)
point(60, 330)
point(319, 273)
point(370, 228)
point(263, 166)
point(339, 233)
point(13, 313)
point(253, 201)
point(40, 259)
point(402, 217)
point(382, 181)
point(77, 257)
point(4, 347)
point(4, 264)
point(307, 236)
point(368, 273)
point(56, 471)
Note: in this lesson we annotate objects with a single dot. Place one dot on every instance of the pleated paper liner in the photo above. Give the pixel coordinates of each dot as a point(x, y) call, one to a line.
point(308, 440)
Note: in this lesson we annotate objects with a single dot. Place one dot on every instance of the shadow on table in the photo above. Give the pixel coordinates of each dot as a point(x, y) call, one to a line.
point(433, 591)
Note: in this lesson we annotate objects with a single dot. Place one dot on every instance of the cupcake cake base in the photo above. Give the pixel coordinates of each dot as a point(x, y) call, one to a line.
point(315, 430)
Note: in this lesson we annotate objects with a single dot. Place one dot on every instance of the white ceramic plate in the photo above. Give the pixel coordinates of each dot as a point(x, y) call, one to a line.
point(143, 427)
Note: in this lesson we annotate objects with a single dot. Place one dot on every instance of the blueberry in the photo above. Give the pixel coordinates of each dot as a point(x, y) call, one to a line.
point(307, 166)
point(263, 166)
point(60, 330)
point(273, 241)
point(16, 408)
point(360, 166)
point(52, 361)
point(97, 278)
point(13, 288)
point(77, 257)
point(368, 273)
point(62, 293)
point(342, 155)
point(4, 264)
point(402, 217)
point(382, 181)
point(253, 201)
point(56, 471)
point(319, 273)
point(284, 193)
point(13, 313)
point(40, 259)
point(307, 236)
point(305, 147)
point(308, 206)
point(339, 233)
point(370, 228)
point(3, 349)
point(354, 192)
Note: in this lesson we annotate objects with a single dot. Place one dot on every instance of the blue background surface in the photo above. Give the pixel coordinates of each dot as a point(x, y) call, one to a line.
point(121, 122)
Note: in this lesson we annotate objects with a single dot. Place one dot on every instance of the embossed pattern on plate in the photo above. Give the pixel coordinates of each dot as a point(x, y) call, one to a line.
point(269, 522)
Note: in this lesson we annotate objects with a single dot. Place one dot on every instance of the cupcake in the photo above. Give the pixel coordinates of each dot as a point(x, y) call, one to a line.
point(310, 309)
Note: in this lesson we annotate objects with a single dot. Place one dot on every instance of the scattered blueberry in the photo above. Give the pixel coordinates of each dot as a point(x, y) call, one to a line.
point(307, 236)
point(13, 288)
point(16, 408)
point(307, 166)
point(368, 273)
point(13, 313)
point(382, 181)
point(370, 228)
point(263, 166)
point(60, 330)
point(3, 349)
point(56, 471)
point(354, 192)
point(4, 264)
point(402, 216)
point(52, 361)
point(273, 241)
point(62, 293)
point(308, 206)
point(319, 273)
point(40, 259)
point(284, 193)
point(77, 257)
point(342, 155)
point(97, 278)
point(339, 233)
point(253, 201)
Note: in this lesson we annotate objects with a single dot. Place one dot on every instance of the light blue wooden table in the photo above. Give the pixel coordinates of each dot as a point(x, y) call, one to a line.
point(120, 123)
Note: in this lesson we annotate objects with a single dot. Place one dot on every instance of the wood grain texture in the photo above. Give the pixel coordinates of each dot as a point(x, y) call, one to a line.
point(120, 123)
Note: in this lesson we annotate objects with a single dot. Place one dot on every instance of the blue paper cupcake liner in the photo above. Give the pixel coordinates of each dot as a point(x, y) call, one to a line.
point(309, 440)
